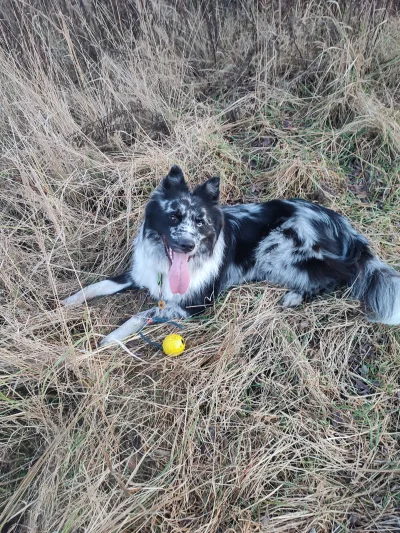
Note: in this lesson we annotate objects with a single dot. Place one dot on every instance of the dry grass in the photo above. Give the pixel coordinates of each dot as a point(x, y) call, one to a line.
point(272, 421)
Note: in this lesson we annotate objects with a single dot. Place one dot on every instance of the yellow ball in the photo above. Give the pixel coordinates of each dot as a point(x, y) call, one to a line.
point(173, 345)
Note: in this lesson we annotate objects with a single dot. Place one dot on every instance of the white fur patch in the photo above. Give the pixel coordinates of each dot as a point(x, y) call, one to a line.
point(102, 288)
point(291, 299)
point(243, 211)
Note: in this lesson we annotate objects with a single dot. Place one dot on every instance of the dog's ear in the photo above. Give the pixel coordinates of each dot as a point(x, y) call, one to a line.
point(174, 180)
point(209, 191)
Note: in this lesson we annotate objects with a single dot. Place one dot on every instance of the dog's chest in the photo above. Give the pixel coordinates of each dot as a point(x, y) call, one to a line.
point(150, 270)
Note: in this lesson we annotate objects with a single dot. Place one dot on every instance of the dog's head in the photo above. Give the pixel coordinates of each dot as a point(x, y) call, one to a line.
point(186, 224)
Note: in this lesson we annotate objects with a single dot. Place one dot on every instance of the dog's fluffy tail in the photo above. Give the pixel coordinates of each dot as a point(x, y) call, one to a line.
point(378, 286)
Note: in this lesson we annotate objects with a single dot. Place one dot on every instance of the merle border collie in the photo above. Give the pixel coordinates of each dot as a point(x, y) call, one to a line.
point(190, 248)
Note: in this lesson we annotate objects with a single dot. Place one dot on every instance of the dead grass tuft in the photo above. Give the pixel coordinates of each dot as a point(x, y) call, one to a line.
point(273, 420)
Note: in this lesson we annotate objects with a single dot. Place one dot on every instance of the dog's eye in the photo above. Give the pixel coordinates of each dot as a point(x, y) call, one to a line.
point(199, 222)
point(173, 217)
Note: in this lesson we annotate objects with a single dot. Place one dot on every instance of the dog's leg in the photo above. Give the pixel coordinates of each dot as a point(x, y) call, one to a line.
point(133, 325)
point(292, 299)
point(102, 288)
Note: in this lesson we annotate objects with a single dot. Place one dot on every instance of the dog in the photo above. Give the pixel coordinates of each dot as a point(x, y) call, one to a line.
point(190, 248)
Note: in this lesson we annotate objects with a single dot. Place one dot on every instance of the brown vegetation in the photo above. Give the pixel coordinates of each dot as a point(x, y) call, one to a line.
point(273, 420)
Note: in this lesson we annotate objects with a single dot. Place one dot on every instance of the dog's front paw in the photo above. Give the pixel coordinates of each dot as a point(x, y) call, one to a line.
point(131, 326)
point(74, 300)
point(108, 340)
point(291, 299)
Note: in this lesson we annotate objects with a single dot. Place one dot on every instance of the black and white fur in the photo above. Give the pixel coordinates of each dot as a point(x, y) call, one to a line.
point(291, 243)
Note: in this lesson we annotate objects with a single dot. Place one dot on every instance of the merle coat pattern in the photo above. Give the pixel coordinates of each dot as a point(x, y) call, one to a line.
point(198, 248)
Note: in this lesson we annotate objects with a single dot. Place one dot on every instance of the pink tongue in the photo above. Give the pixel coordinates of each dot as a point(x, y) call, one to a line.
point(179, 277)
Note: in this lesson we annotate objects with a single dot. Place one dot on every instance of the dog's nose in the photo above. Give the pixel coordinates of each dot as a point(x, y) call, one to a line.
point(186, 245)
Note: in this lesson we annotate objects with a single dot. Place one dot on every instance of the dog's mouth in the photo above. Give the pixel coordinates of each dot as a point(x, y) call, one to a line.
point(179, 274)
point(169, 252)
point(167, 249)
